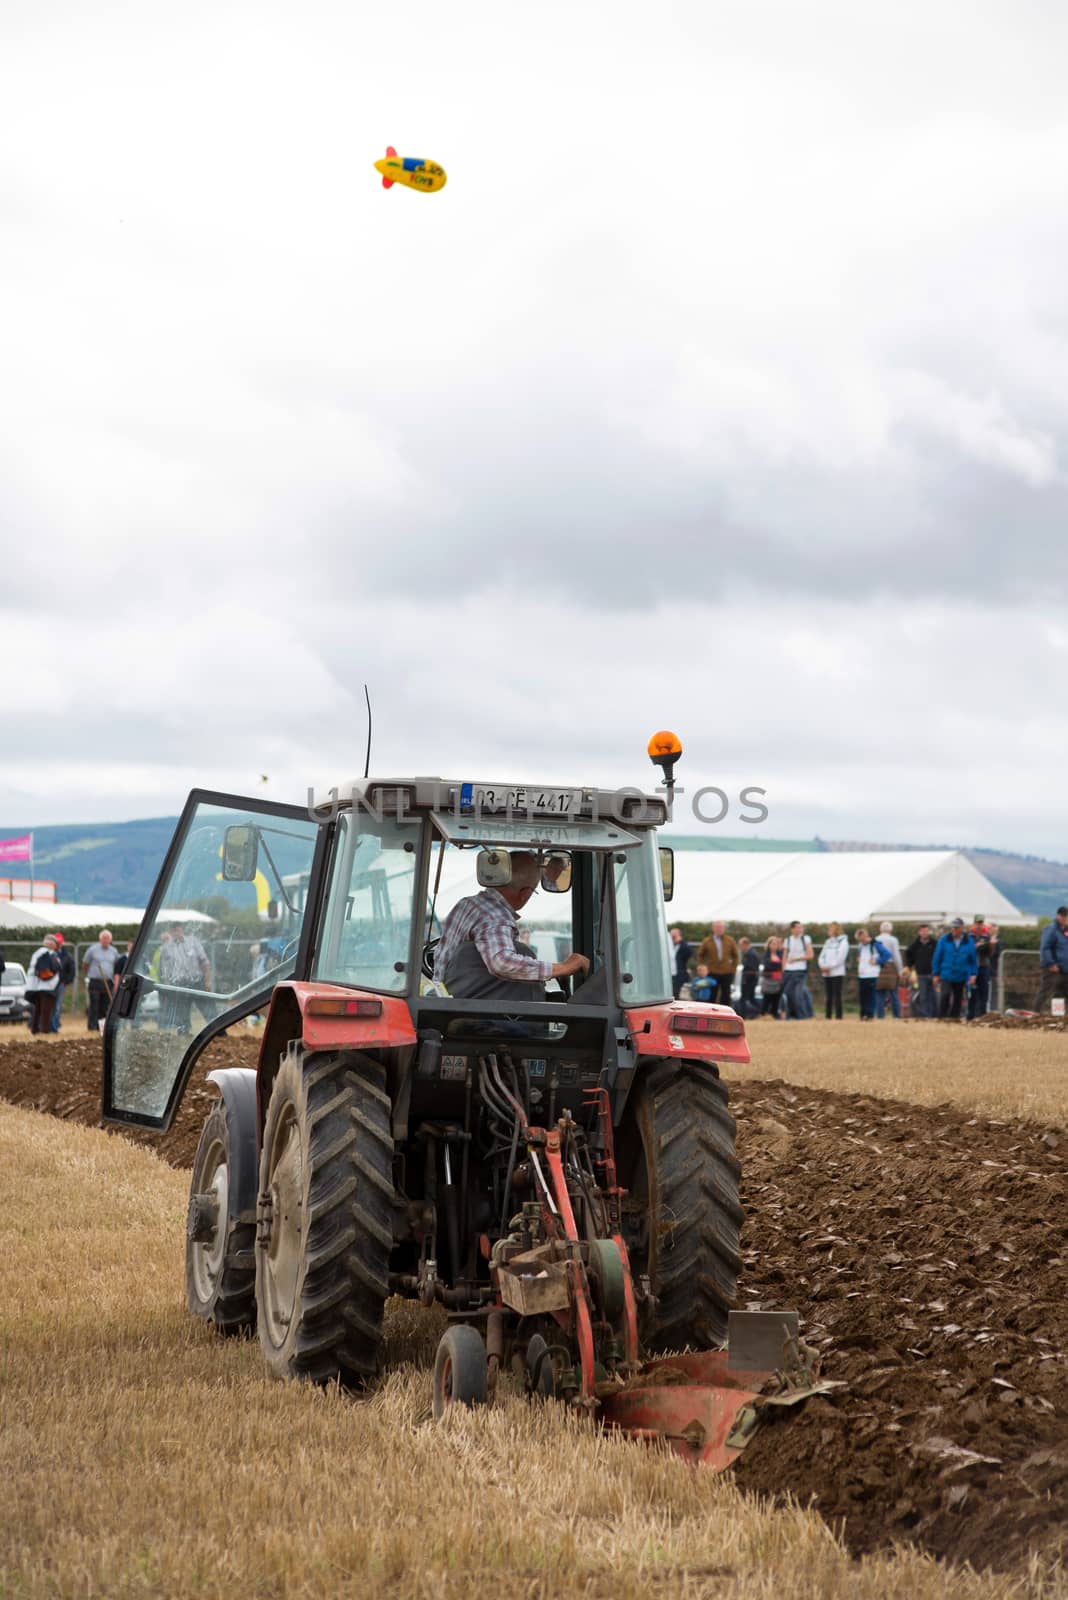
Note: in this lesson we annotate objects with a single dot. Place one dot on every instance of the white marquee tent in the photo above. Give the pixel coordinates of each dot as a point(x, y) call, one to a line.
point(63, 915)
point(847, 886)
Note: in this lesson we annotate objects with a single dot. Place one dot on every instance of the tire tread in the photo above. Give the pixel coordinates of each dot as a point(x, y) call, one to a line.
point(693, 1182)
point(342, 1104)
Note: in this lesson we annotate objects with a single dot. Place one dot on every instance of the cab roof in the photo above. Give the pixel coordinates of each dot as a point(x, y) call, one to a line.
point(633, 806)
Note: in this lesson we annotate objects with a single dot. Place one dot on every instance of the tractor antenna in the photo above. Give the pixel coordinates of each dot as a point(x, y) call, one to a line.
point(367, 758)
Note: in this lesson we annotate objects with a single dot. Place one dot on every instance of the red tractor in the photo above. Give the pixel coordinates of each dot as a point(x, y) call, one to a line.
point(554, 1165)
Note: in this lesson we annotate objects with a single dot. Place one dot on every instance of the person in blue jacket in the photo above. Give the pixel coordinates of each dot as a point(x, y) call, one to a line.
point(954, 968)
point(1053, 959)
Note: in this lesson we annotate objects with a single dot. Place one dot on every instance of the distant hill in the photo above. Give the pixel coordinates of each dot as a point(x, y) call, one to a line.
point(112, 863)
point(117, 863)
point(1033, 884)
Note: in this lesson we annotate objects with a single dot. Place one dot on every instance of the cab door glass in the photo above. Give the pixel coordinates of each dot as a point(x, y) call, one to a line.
point(641, 927)
point(211, 946)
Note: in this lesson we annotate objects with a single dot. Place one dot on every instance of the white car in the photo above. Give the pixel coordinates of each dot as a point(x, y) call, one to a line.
point(14, 1006)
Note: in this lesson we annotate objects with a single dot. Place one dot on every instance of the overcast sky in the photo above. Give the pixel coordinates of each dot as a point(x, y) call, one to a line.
point(724, 388)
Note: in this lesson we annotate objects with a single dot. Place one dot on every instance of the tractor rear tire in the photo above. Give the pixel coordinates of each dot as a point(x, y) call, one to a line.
point(326, 1218)
point(220, 1263)
point(686, 1176)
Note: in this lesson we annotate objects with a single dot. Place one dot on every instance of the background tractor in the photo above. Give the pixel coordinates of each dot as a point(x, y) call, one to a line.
point(558, 1173)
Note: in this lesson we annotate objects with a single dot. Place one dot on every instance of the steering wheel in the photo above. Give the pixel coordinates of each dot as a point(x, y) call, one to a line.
point(427, 962)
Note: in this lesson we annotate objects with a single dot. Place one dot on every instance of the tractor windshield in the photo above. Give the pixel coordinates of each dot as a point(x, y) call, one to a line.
point(570, 912)
point(545, 928)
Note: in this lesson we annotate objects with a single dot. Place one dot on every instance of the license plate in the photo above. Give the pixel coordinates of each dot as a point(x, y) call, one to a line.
point(550, 802)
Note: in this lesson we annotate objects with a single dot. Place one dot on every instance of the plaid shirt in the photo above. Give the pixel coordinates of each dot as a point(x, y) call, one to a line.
point(490, 921)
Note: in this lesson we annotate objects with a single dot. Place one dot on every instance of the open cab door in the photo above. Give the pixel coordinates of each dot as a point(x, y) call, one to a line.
point(225, 923)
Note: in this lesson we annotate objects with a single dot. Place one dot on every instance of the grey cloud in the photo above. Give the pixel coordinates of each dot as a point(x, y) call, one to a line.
point(614, 520)
point(529, 460)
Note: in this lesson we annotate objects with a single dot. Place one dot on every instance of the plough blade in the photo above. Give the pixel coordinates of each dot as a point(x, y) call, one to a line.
point(691, 1402)
point(705, 1406)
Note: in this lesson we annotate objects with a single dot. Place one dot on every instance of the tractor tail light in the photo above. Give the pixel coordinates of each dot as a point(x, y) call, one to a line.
point(325, 1005)
point(687, 1023)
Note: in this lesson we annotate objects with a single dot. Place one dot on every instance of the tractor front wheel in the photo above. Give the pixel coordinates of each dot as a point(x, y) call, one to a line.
point(220, 1268)
point(683, 1176)
point(325, 1217)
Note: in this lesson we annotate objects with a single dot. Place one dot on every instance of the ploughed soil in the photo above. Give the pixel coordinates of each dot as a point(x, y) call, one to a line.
point(927, 1252)
point(1022, 1019)
point(64, 1078)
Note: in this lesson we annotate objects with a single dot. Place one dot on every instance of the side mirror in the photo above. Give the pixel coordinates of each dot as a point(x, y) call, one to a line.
point(667, 870)
point(556, 873)
point(494, 869)
point(240, 853)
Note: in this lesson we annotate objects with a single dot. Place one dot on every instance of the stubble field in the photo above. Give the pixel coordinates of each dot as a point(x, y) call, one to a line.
point(922, 1239)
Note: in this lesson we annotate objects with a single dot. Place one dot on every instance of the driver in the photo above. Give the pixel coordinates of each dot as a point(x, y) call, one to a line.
point(480, 956)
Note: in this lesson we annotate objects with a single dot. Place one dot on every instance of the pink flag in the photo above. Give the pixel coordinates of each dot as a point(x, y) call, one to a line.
point(17, 849)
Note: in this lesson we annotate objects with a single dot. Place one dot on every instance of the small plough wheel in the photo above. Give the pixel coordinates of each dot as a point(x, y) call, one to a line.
point(540, 1371)
point(461, 1370)
point(685, 1177)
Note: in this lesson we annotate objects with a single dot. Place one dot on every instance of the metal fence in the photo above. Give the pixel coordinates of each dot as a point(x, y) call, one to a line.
point(1018, 978)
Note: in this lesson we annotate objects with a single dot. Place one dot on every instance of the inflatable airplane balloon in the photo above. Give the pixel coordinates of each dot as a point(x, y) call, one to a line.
point(412, 171)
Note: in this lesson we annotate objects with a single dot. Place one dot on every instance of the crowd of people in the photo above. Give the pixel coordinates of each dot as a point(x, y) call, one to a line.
point(951, 976)
point(52, 970)
point(948, 975)
point(180, 963)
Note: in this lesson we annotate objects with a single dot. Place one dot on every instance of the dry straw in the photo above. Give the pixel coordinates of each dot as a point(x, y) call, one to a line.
point(142, 1457)
point(997, 1072)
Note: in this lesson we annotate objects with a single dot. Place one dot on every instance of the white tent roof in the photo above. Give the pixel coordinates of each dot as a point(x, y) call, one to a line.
point(49, 914)
point(834, 885)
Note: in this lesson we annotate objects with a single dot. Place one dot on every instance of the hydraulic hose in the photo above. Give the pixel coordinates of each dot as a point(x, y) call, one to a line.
point(490, 1096)
point(503, 1087)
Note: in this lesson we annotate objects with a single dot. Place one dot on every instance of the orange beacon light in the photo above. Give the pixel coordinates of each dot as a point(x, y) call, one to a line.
point(665, 748)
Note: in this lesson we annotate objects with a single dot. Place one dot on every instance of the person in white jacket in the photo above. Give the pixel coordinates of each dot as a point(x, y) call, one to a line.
point(889, 997)
point(832, 964)
point(42, 981)
point(867, 974)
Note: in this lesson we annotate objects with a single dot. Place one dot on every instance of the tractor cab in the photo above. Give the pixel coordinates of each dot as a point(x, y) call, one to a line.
point(352, 895)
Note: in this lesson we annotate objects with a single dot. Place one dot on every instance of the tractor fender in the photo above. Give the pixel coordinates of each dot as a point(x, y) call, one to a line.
point(237, 1087)
point(388, 1035)
point(654, 1033)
